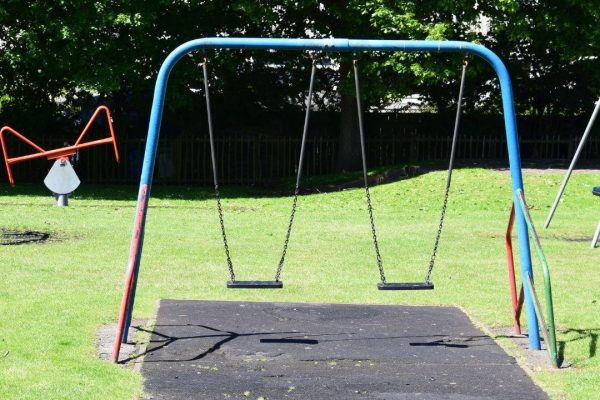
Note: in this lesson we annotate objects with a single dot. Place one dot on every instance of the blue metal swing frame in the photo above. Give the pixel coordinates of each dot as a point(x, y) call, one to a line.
point(325, 45)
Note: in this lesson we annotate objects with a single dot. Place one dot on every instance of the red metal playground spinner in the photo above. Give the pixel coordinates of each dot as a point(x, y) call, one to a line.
point(61, 179)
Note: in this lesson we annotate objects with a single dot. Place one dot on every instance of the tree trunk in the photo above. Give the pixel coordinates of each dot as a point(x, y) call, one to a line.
point(349, 158)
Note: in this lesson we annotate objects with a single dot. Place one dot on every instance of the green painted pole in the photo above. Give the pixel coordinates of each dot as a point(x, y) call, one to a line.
point(547, 283)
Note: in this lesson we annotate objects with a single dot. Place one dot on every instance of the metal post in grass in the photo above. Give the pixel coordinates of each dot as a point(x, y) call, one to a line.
point(596, 236)
point(549, 328)
point(516, 299)
point(563, 186)
point(321, 45)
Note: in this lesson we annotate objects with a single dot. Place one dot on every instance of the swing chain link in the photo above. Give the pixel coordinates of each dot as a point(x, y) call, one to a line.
point(223, 235)
point(450, 167)
point(299, 172)
point(214, 167)
point(438, 236)
point(364, 165)
point(287, 236)
point(375, 242)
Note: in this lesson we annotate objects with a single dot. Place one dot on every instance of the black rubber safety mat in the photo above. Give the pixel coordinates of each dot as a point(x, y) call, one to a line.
point(245, 350)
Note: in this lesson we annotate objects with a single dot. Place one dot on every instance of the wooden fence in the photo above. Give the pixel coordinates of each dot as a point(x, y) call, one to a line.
point(252, 160)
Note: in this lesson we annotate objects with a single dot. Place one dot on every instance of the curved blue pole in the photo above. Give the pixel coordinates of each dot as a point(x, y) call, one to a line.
point(338, 45)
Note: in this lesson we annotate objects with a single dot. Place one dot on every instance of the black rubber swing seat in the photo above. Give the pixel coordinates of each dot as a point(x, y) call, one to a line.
point(405, 286)
point(596, 191)
point(254, 284)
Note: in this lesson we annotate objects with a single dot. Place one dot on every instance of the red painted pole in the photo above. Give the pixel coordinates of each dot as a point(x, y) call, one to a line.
point(110, 128)
point(4, 152)
point(129, 276)
point(517, 301)
point(59, 153)
point(7, 161)
point(112, 134)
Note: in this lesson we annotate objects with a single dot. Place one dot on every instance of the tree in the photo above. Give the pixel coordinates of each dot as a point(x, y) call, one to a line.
point(390, 77)
point(59, 57)
point(551, 49)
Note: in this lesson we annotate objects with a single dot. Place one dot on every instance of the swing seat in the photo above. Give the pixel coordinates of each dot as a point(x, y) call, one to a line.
point(254, 284)
point(405, 286)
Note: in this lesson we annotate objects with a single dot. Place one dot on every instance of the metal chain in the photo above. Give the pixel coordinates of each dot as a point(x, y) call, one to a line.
point(224, 236)
point(214, 168)
point(299, 174)
point(450, 166)
point(364, 163)
point(287, 237)
point(437, 238)
point(375, 242)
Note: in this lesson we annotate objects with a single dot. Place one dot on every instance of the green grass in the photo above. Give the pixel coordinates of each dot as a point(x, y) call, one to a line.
point(54, 296)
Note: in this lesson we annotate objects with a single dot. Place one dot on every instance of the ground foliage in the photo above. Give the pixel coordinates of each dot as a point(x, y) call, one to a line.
point(56, 294)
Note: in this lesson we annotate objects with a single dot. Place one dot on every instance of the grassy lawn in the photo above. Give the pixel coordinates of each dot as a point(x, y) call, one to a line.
point(54, 296)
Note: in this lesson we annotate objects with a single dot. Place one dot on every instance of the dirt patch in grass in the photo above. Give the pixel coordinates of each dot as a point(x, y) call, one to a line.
point(16, 237)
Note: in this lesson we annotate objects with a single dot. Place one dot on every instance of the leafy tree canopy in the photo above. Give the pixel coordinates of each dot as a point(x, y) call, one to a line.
point(57, 55)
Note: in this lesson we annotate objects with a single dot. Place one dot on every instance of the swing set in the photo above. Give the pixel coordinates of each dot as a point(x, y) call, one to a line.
point(276, 283)
point(326, 45)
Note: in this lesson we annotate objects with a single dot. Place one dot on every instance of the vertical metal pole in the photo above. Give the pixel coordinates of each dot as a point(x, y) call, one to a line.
point(135, 252)
point(596, 237)
point(516, 301)
point(514, 158)
point(588, 129)
point(459, 105)
point(137, 239)
point(134, 280)
point(360, 121)
point(548, 329)
point(62, 200)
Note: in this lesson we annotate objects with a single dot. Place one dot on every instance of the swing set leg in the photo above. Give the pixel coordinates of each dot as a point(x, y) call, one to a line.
point(517, 300)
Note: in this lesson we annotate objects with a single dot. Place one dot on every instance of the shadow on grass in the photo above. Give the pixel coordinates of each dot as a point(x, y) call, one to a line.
point(575, 239)
point(284, 188)
point(310, 184)
point(580, 334)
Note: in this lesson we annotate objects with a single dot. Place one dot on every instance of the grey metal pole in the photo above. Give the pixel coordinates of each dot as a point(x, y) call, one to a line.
point(62, 200)
point(596, 237)
point(588, 129)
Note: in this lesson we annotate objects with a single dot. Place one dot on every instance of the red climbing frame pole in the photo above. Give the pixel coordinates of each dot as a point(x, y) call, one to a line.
point(517, 300)
point(61, 152)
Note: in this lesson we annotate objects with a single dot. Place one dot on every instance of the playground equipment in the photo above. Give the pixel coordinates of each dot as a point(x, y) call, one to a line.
point(276, 283)
point(324, 45)
point(548, 329)
point(563, 186)
point(426, 284)
point(62, 179)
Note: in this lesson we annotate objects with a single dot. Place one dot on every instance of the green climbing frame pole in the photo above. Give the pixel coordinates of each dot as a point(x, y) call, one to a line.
point(548, 329)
